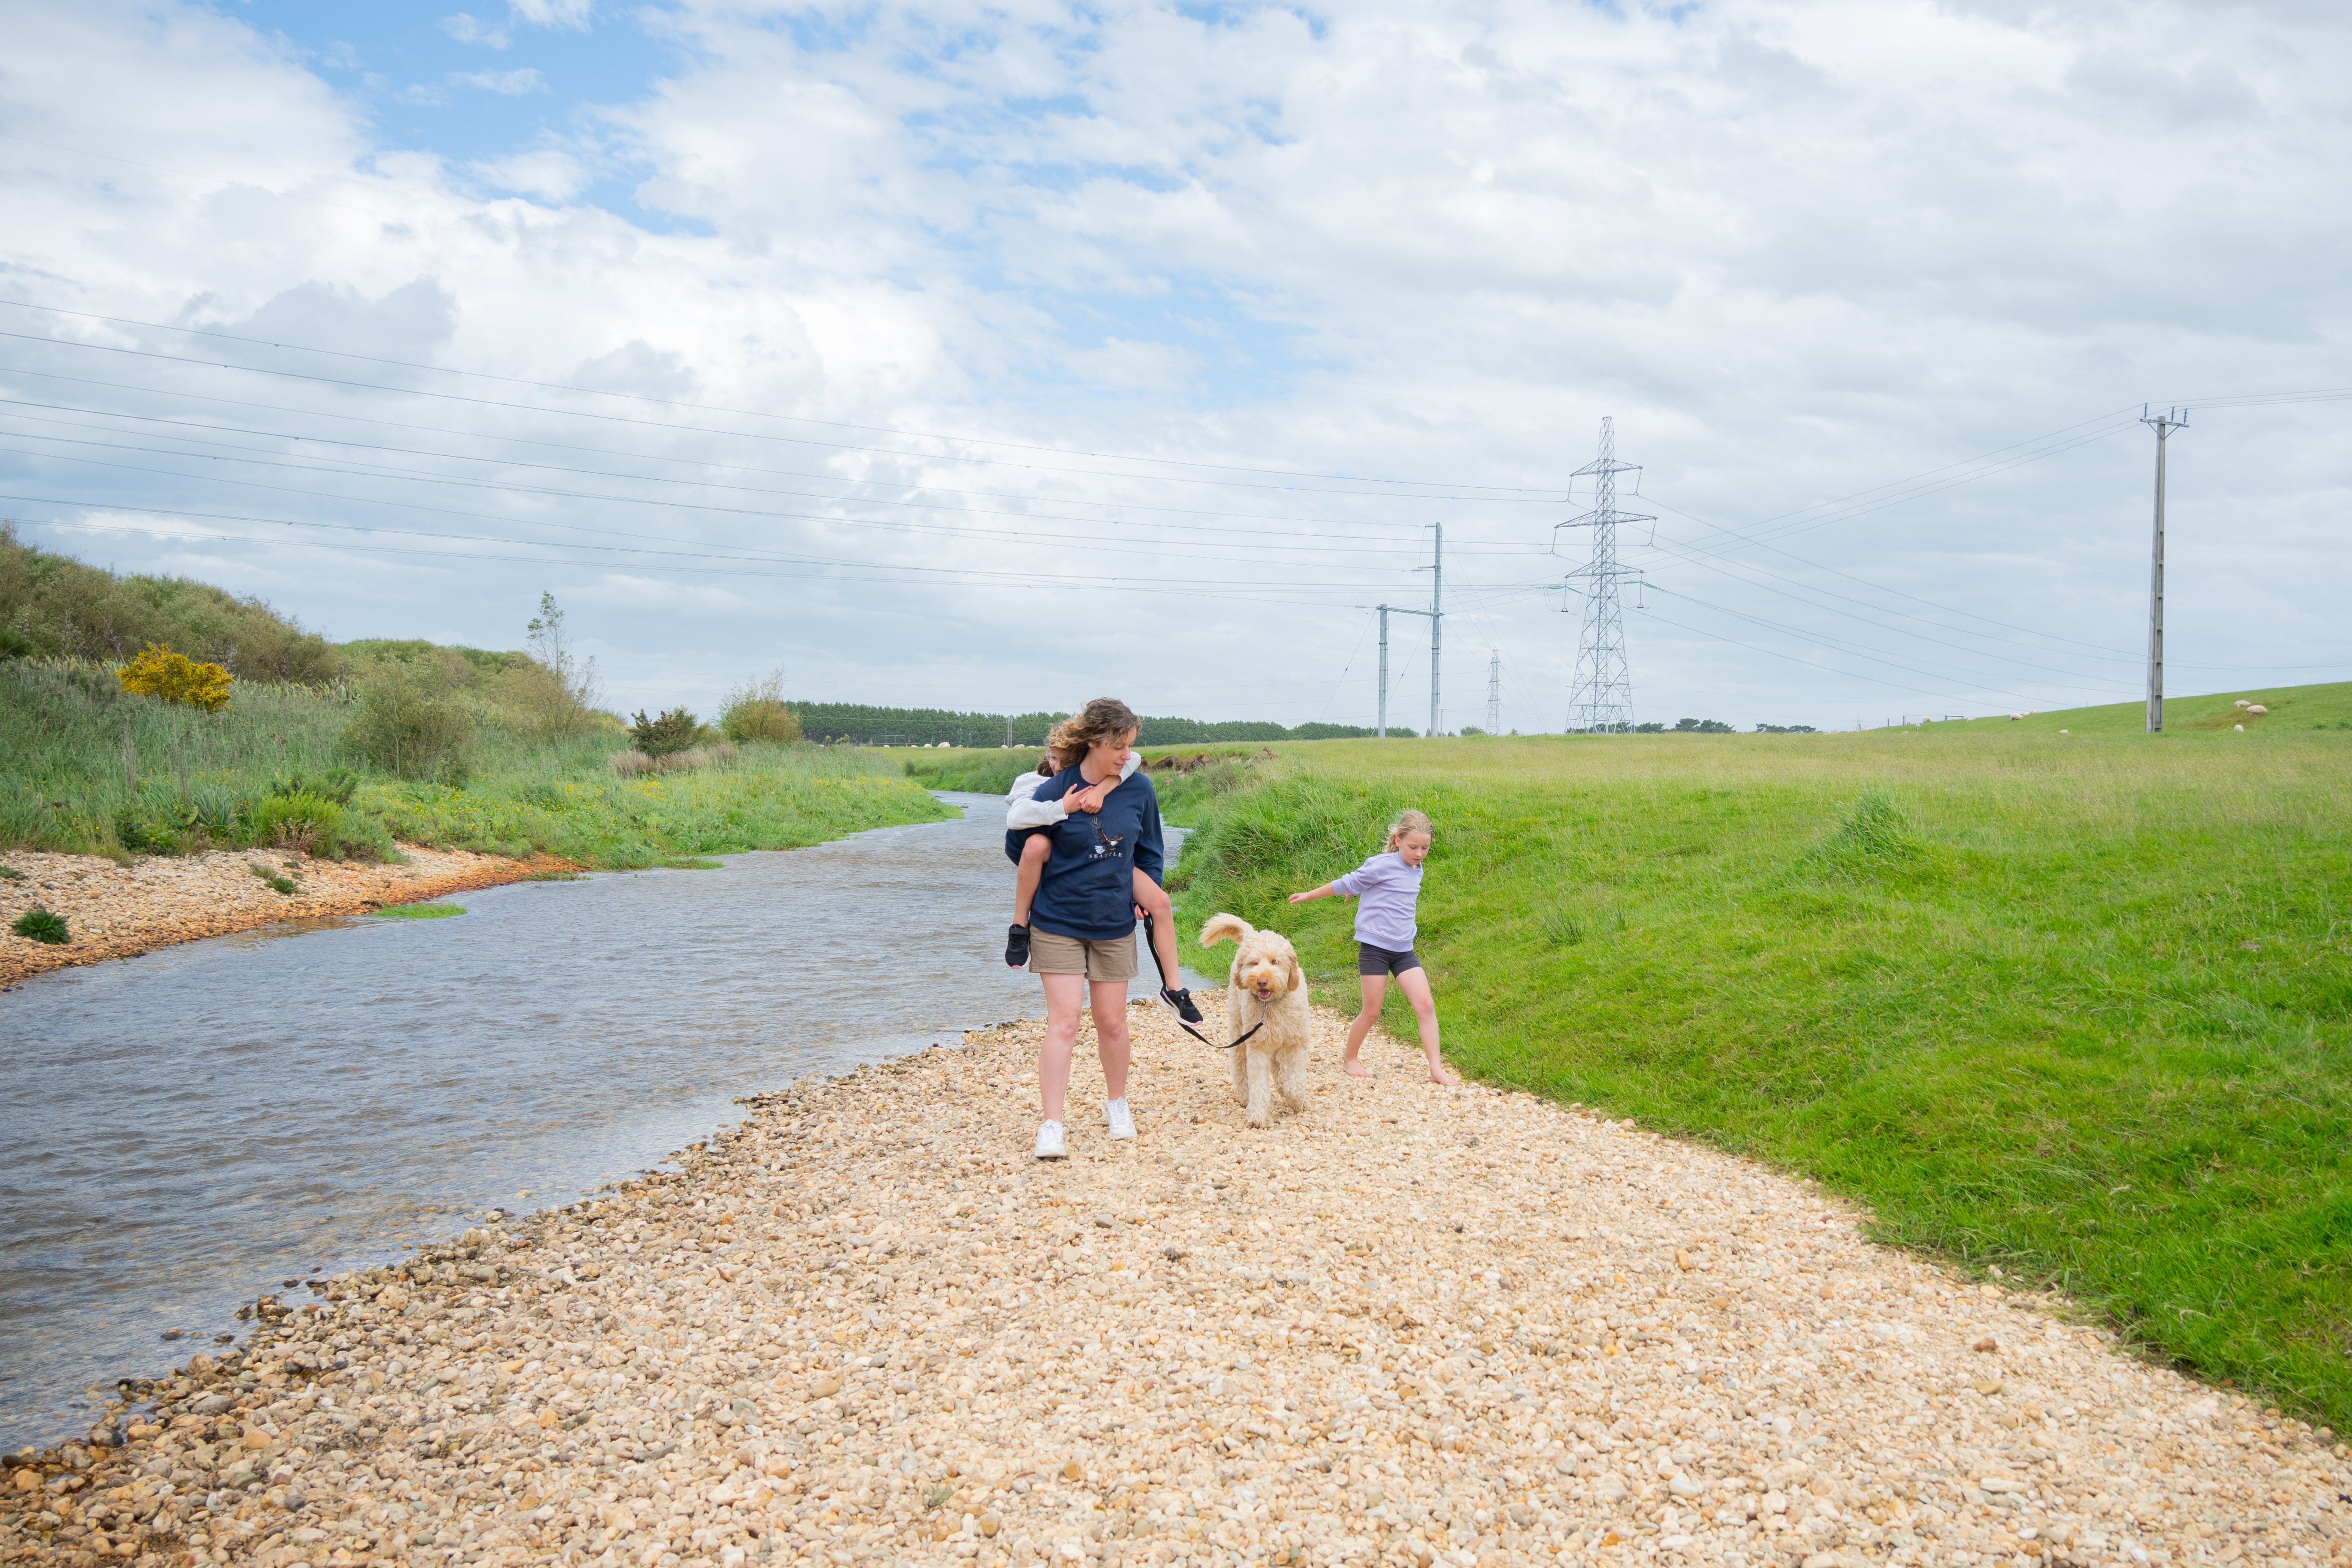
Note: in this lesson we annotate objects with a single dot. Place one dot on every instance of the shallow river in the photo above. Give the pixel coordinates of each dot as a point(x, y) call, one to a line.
point(184, 1131)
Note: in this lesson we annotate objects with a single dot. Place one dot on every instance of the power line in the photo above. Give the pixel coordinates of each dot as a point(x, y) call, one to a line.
point(1898, 593)
point(950, 531)
point(1836, 646)
point(1123, 504)
point(1222, 585)
point(1511, 492)
point(349, 383)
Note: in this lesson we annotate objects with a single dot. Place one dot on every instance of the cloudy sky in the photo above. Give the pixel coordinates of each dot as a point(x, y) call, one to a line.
point(1000, 356)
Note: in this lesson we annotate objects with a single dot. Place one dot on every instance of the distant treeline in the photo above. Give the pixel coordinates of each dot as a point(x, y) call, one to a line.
point(856, 724)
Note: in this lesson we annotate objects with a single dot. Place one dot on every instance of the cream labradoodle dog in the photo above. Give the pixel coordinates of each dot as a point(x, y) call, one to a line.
point(1264, 990)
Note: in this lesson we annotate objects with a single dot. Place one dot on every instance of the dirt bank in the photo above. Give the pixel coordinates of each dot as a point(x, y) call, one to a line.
point(115, 911)
point(1407, 1326)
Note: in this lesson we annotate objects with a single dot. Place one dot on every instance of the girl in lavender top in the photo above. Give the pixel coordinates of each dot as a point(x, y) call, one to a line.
point(1390, 884)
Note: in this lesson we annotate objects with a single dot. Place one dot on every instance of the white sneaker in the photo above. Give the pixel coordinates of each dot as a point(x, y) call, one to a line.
point(1123, 1125)
point(1049, 1140)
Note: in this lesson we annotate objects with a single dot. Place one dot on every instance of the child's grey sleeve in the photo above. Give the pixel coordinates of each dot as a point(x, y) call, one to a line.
point(1034, 813)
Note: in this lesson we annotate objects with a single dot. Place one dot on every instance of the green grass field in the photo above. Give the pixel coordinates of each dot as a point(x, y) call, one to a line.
point(2076, 1006)
point(87, 768)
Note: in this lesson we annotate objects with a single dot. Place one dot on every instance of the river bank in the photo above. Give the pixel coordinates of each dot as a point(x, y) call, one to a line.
point(119, 911)
point(1405, 1325)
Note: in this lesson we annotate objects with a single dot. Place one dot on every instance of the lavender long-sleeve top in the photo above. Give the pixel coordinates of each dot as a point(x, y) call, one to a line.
point(1387, 888)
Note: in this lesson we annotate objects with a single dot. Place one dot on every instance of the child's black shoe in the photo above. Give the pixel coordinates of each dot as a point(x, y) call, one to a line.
point(1016, 946)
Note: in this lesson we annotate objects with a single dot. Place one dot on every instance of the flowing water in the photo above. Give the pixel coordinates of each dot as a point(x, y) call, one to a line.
point(226, 1116)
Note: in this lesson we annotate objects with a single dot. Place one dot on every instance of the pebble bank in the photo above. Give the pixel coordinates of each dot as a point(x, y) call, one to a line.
point(1405, 1326)
point(115, 911)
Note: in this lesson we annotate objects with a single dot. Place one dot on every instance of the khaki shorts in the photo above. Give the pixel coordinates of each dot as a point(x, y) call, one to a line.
point(1106, 961)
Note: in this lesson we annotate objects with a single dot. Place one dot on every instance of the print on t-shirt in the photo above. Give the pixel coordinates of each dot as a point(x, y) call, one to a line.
point(1105, 845)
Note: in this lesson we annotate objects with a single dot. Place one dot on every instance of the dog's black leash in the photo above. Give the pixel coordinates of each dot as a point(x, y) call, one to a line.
point(1149, 935)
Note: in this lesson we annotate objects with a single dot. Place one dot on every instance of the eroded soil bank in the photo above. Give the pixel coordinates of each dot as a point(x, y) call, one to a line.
point(1403, 1326)
point(117, 911)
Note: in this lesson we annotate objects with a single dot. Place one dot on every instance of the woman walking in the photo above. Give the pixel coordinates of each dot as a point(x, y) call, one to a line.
point(1390, 885)
point(1082, 921)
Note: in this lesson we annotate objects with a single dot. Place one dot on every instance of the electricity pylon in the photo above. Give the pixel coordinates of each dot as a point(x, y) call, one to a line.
point(1601, 697)
point(1495, 692)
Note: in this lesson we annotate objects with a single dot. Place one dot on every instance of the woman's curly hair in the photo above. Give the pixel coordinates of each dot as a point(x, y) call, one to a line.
point(1104, 719)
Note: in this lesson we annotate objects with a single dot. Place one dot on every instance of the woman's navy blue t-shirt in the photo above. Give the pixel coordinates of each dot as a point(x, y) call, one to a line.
point(1088, 889)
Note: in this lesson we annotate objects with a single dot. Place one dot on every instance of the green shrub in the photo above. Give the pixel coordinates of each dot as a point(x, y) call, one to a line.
point(152, 827)
point(282, 883)
point(408, 730)
point(673, 732)
point(305, 822)
point(41, 925)
point(756, 712)
point(759, 720)
point(335, 784)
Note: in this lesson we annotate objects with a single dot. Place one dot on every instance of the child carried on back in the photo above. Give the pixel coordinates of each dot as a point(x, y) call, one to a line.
point(1024, 811)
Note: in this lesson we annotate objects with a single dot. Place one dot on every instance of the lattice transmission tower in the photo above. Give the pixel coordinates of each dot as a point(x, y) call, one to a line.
point(1601, 696)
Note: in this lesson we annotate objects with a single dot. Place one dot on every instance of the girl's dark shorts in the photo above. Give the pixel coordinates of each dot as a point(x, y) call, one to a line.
point(1370, 960)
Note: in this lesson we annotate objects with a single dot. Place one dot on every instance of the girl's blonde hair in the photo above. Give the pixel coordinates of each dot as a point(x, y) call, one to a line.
point(1103, 719)
point(1408, 821)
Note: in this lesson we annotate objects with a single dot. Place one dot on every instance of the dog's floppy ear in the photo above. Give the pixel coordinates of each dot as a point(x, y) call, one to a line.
point(1297, 979)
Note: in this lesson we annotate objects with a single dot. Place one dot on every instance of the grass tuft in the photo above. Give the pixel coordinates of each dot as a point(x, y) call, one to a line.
point(1873, 828)
point(42, 925)
point(418, 912)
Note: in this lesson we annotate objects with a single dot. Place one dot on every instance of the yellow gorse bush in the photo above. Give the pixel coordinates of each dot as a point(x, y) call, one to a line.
point(176, 677)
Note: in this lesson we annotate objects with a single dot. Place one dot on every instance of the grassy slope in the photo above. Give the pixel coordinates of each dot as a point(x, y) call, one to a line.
point(2083, 1013)
point(2291, 707)
point(62, 782)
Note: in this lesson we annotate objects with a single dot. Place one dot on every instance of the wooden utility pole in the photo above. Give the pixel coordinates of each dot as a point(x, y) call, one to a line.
point(2164, 424)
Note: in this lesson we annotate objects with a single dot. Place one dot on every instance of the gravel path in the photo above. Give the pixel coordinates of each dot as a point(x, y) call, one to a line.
point(115, 911)
point(1406, 1326)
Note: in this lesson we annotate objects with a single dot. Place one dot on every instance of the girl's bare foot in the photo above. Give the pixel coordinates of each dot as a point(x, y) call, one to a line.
point(1438, 1074)
point(1355, 1069)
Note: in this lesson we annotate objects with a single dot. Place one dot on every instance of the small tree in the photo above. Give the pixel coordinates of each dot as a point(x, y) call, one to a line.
point(576, 677)
point(177, 679)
